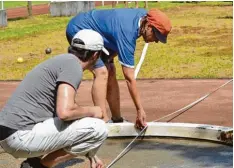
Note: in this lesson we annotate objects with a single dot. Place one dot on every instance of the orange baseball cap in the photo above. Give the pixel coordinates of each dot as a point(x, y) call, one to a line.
point(160, 23)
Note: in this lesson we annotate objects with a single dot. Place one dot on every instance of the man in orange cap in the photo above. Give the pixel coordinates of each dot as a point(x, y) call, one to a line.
point(120, 29)
point(160, 24)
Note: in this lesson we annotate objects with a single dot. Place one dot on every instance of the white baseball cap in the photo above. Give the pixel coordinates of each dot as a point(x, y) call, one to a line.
point(92, 41)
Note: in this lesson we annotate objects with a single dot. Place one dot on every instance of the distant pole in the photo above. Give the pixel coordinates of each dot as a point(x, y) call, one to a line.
point(2, 5)
point(103, 3)
point(3, 16)
point(29, 8)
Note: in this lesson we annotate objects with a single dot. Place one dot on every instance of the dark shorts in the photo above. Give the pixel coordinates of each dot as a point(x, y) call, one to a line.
point(6, 132)
point(105, 59)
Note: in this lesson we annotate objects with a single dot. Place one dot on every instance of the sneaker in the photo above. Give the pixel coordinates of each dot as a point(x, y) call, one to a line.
point(121, 120)
point(32, 163)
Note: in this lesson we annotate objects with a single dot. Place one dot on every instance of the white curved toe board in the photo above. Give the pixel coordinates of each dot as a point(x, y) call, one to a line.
point(162, 129)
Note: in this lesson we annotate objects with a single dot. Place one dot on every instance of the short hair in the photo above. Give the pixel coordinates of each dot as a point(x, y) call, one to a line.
point(144, 21)
point(83, 54)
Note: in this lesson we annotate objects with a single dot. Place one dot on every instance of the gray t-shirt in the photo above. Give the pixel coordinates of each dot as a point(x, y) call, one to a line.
point(34, 100)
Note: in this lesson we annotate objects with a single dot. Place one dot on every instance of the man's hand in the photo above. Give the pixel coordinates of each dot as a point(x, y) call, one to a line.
point(95, 162)
point(97, 112)
point(141, 120)
point(98, 162)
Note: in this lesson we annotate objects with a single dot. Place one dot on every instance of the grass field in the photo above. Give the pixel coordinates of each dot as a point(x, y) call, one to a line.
point(16, 4)
point(200, 44)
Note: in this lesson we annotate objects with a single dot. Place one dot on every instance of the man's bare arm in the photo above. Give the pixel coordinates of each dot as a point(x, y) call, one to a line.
point(132, 87)
point(67, 109)
point(131, 82)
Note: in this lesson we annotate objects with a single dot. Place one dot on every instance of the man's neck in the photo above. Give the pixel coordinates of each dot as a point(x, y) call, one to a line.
point(84, 65)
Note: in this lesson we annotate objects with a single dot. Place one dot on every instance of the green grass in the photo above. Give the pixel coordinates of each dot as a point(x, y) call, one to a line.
point(199, 45)
point(14, 4)
point(167, 5)
point(30, 27)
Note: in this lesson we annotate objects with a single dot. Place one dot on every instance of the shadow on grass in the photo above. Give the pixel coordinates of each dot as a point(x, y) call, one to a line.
point(225, 17)
point(17, 18)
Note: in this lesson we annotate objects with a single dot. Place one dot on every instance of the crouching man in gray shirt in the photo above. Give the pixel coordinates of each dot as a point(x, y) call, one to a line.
point(42, 122)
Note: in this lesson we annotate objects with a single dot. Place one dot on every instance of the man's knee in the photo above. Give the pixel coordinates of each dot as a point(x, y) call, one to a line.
point(98, 127)
point(111, 76)
point(90, 141)
point(101, 130)
point(111, 70)
point(101, 73)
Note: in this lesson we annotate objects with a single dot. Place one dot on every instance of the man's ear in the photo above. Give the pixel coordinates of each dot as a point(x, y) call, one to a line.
point(148, 26)
point(95, 55)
